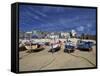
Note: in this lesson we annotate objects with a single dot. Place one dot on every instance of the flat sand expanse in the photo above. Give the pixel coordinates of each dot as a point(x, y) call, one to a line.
point(45, 60)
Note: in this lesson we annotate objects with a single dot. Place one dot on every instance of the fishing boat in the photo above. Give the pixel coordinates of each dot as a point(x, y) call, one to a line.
point(55, 45)
point(22, 46)
point(69, 47)
point(34, 47)
point(84, 45)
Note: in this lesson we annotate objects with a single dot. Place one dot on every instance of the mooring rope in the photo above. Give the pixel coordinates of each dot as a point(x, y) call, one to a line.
point(84, 59)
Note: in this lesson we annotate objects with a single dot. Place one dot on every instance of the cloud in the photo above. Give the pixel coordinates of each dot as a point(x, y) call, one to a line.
point(36, 12)
point(68, 20)
point(80, 28)
point(89, 25)
point(40, 13)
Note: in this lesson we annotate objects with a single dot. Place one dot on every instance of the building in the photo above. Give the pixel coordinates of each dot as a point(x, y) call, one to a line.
point(64, 35)
point(21, 35)
point(73, 33)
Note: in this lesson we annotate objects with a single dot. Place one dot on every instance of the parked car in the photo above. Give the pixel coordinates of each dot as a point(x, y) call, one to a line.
point(69, 47)
point(84, 45)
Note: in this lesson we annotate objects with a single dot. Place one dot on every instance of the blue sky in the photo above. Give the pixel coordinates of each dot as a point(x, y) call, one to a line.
point(55, 19)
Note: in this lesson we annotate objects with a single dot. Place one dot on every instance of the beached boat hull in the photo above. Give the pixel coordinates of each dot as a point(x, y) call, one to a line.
point(22, 48)
point(34, 48)
point(55, 49)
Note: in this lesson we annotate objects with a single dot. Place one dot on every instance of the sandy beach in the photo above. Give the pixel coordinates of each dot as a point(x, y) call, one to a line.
point(44, 60)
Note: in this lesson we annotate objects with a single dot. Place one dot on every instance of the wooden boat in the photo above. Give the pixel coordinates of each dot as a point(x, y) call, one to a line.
point(34, 47)
point(55, 47)
point(69, 47)
point(84, 45)
point(22, 47)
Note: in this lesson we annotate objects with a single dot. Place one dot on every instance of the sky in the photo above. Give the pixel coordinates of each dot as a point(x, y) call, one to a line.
point(56, 19)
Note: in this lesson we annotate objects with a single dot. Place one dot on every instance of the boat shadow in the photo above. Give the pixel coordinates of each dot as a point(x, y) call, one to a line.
point(54, 50)
point(35, 50)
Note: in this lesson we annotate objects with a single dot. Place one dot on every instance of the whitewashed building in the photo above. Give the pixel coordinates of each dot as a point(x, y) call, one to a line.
point(73, 32)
